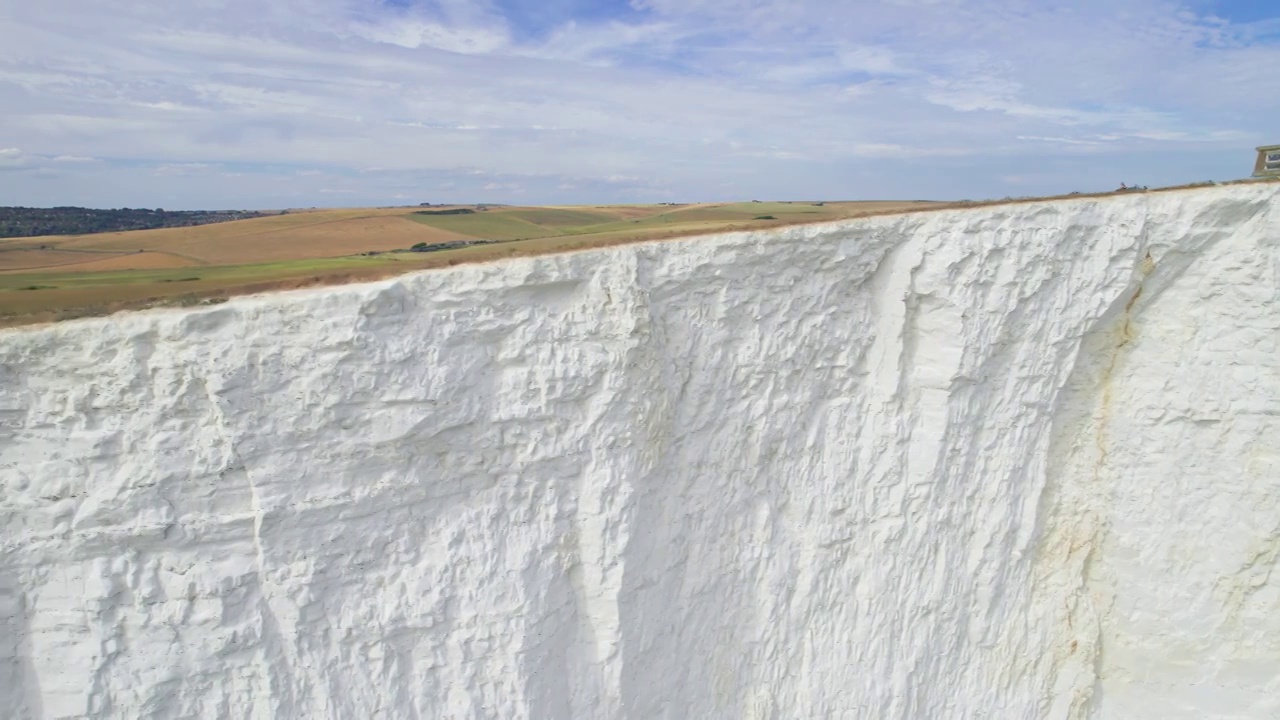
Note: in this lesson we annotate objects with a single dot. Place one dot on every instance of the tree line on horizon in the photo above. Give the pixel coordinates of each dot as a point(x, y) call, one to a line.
point(36, 222)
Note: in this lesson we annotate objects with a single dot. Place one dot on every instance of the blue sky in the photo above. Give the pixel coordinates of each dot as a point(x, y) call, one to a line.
point(298, 103)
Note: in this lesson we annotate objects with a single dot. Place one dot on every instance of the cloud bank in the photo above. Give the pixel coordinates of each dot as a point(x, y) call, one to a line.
point(285, 103)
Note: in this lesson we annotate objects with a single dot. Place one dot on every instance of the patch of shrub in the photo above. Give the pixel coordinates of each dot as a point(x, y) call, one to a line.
point(32, 222)
point(453, 211)
point(449, 245)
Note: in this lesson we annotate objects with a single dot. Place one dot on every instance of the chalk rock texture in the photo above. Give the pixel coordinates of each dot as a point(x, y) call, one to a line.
point(1019, 461)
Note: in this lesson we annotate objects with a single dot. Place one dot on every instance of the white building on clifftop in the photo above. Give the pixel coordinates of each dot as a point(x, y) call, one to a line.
point(1268, 164)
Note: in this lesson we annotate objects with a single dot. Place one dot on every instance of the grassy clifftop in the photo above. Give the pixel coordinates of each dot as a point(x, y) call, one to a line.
point(72, 275)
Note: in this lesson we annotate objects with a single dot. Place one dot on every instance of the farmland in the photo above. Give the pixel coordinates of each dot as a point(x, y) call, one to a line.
point(56, 277)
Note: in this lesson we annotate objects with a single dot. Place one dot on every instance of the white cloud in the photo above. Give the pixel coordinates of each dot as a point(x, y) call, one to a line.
point(12, 159)
point(1062, 140)
point(416, 34)
point(184, 168)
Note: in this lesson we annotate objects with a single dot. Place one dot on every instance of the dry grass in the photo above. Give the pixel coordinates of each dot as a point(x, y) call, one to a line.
point(251, 226)
point(270, 239)
point(330, 239)
point(146, 260)
point(25, 259)
point(627, 212)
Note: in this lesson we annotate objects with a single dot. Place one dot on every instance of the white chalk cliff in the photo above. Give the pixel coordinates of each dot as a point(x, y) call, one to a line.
point(1019, 461)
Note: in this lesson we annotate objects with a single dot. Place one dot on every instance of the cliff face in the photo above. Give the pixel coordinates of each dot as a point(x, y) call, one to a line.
point(1016, 461)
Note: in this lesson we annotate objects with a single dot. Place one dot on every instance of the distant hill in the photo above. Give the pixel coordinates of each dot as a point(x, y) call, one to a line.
point(34, 222)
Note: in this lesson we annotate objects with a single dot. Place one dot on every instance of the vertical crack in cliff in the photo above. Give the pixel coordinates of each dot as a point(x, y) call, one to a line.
point(1092, 597)
point(273, 646)
point(1089, 602)
point(1124, 337)
point(1071, 516)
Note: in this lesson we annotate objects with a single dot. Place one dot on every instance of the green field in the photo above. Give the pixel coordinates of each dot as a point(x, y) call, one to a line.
point(487, 225)
point(559, 217)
